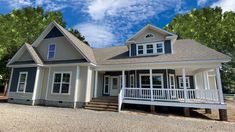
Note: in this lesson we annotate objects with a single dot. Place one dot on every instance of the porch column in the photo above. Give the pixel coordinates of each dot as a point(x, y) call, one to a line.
point(151, 83)
point(96, 83)
point(35, 89)
point(205, 79)
point(123, 79)
point(219, 85)
point(184, 84)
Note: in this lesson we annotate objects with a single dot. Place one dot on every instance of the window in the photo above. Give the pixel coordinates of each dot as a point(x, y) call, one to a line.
point(106, 84)
point(181, 84)
point(61, 83)
point(145, 81)
point(159, 48)
point(51, 51)
point(149, 35)
point(22, 81)
point(132, 81)
point(157, 80)
point(140, 49)
point(149, 48)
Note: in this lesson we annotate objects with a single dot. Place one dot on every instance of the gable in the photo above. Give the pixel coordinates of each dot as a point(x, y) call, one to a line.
point(63, 51)
point(156, 36)
point(54, 33)
point(25, 56)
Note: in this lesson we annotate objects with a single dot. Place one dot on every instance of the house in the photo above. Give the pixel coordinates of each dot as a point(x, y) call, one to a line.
point(153, 68)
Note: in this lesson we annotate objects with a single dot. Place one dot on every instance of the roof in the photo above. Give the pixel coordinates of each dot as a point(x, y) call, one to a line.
point(184, 50)
point(84, 49)
point(31, 51)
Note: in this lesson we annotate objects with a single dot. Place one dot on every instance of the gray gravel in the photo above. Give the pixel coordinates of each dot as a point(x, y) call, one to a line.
point(36, 118)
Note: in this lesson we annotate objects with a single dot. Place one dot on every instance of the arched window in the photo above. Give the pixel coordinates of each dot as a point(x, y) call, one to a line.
point(149, 35)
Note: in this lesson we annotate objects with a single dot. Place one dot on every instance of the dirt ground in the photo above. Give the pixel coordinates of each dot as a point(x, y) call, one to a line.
point(40, 118)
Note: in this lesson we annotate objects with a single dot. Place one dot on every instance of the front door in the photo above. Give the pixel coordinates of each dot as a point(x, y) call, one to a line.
point(115, 86)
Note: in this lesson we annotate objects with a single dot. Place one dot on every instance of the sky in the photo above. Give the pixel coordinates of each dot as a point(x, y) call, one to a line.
point(106, 23)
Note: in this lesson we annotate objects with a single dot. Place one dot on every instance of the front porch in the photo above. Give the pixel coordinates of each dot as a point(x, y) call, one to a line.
point(194, 86)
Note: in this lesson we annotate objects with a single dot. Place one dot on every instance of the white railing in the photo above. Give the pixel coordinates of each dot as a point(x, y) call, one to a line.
point(192, 95)
point(120, 99)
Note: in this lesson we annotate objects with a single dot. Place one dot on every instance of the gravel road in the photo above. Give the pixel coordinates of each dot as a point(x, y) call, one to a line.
point(37, 118)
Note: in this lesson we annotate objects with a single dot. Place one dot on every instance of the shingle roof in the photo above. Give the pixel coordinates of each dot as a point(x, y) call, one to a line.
point(184, 50)
point(85, 49)
point(33, 54)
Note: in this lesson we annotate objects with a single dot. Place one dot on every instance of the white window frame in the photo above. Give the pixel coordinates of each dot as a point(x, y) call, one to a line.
point(133, 81)
point(149, 48)
point(48, 51)
point(155, 74)
point(180, 80)
point(154, 48)
point(25, 82)
point(163, 48)
point(52, 88)
point(106, 84)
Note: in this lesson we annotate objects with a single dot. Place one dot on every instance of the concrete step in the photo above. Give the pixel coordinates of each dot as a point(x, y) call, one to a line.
point(103, 103)
point(101, 109)
point(102, 106)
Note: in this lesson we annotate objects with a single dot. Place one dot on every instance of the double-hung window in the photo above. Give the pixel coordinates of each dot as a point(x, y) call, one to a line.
point(149, 48)
point(51, 51)
point(132, 81)
point(22, 81)
point(181, 82)
point(140, 49)
point(157, 81)
point(159, 48)
point(61, 83)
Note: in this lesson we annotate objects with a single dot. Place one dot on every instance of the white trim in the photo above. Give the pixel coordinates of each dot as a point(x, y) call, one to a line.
point(187, 80)
point(130, 51)
point(48, 81)
point(62, 74)
point(48, 51)
point(184, 84)
point(25, 82)
point(96, 84)
point(154, 44)
point(76, 86)
point(219, 84)
point(153, 74)
point(151, 82)
point(35, 85)
point(9, 86)
point(106, 84)
point(88, 83)
point(176, 104)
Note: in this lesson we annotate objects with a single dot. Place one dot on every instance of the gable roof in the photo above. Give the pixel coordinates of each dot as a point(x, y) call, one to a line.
point(84, 49)
point(195, 52)
point(149, 26)
point(31, 51)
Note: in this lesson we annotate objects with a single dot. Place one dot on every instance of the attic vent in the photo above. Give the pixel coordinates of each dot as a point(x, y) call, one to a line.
point(149, 35)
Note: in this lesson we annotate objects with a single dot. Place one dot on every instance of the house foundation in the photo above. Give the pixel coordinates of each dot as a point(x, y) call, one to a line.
point(186, 112)
point(208, 111)
point(223, 115)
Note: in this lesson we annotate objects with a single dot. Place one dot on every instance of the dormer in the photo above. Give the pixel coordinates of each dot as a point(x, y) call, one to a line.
point(151, 40)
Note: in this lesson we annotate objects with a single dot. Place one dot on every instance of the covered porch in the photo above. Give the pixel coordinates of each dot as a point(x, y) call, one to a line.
point(195, 86)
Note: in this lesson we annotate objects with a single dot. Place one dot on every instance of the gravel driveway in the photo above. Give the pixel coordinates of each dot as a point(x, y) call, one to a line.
point(36, 118)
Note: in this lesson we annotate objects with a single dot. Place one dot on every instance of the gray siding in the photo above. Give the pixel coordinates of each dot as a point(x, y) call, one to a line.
point(30, 80)
point(167, 45)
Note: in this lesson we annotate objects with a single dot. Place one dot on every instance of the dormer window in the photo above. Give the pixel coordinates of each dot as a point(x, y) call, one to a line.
point(150, 48)
point(140, 49)
point(149, 35)
point(51, 51)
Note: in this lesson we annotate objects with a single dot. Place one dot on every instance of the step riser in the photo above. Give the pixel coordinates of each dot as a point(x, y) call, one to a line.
point(103, 104)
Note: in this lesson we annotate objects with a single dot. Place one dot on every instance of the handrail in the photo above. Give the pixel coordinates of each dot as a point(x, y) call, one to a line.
point(120, 99)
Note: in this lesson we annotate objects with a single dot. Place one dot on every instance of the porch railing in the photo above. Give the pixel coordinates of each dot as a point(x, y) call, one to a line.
point(192, 95)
